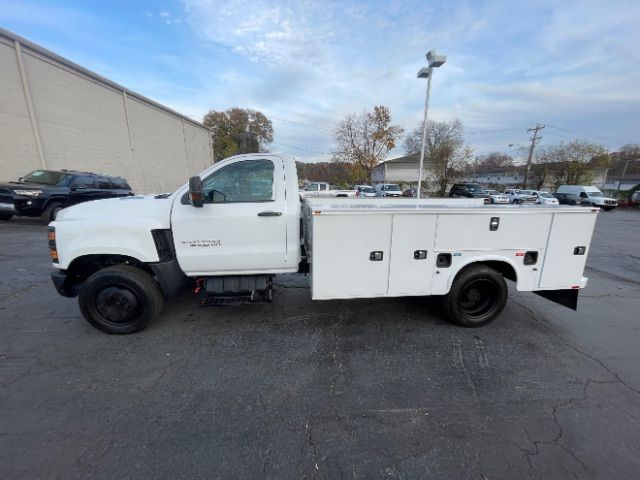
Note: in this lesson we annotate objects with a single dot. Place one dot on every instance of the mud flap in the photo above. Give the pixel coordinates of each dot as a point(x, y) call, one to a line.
point(567, 298)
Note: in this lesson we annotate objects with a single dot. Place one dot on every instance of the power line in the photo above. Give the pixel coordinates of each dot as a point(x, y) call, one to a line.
point(497, 131)
point(304, 149)
point(311, 126)
point(587, 135)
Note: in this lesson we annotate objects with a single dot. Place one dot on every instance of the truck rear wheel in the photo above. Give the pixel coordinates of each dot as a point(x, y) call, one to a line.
point(120, 299)
point(477, 296)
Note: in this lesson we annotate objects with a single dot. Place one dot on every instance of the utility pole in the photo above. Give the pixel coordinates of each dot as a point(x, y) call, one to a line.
point(534, 139)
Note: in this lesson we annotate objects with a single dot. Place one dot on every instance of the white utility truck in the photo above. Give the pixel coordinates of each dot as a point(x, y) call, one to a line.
point(230, 230)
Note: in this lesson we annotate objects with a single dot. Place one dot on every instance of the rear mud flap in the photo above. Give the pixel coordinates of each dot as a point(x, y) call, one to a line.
point(567, 298)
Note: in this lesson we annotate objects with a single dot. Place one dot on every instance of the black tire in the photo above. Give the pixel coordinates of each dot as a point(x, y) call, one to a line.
point(51, 212)
point(477, 296)
point(5, 216)
point(120, 299)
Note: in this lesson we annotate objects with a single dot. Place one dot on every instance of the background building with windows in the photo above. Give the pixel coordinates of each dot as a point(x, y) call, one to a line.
point(55, 114)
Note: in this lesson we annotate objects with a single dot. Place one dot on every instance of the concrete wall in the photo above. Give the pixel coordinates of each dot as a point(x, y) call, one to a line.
point(57, 115)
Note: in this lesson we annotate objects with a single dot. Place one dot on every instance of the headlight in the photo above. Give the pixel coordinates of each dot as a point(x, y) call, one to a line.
point(29, 193)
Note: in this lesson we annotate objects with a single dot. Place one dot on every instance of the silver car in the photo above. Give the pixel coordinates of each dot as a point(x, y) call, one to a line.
point(542, 198)
point(497, 197)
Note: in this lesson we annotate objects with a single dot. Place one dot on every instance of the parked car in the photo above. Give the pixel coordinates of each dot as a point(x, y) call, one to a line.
point(567, 198)
point(388, 190)
point(497, 197)
point(323, 189)
point(469, 190)
point(409, 192)
point(518, 196)
point(542, 198)
point(589, 195)
point(635, 197)
point(364, 191)
point(43, 193)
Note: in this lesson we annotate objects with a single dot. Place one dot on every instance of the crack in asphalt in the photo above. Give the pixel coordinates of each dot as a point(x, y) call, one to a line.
point(613, 275)
point(312, 446)
point(532, 316)
point(556, 441)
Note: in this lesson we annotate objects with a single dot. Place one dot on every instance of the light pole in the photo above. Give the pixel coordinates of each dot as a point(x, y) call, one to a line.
point(434, 61)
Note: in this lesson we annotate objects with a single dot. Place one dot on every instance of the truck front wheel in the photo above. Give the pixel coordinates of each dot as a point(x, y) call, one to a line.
point(477, 296)
point(120, 299)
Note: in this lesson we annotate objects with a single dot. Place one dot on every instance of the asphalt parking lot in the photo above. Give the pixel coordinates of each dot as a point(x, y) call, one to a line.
point(323, 390)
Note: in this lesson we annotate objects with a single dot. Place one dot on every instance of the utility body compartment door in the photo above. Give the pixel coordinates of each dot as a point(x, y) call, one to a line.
point(567, 250)
point(345, 263)
point(412, 256)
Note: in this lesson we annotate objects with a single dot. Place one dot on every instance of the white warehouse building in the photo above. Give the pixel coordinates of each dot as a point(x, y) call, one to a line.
point(55, 114)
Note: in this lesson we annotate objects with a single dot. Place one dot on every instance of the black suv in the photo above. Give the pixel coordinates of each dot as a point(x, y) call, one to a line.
point(44, 193)
point(469, 190)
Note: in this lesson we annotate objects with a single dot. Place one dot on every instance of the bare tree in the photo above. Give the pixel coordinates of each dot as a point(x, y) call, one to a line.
point(495, 160)
point(445, 152)
point(365, 139)
point(579, 160)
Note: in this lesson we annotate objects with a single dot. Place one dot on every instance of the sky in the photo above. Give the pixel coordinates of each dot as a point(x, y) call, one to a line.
point(573, 66)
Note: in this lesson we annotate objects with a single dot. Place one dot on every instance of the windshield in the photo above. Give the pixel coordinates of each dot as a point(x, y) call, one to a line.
point(366, 189)
point(546, 195)
point(594, 194)
point(473, 188)
point(392, 188)
point(48, 178)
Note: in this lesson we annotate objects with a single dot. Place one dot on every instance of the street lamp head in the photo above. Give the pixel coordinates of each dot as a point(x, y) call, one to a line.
point(434, 59)
point(424, 72)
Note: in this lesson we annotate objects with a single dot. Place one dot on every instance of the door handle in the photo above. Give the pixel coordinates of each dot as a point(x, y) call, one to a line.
point(269, 214)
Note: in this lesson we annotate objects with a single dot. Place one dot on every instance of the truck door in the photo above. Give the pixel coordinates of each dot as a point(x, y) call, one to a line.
point(241, 229)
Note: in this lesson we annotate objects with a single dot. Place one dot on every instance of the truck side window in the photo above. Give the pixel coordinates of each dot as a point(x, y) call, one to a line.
point(323, 186)
point(244, 181)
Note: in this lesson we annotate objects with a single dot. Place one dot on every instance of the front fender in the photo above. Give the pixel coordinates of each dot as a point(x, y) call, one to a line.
point(130, 237)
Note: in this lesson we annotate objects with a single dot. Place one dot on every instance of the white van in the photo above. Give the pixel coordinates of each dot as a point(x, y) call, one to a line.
point(589, 195)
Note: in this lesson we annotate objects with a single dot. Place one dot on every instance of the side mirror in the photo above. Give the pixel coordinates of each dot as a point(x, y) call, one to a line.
point(195, 192)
